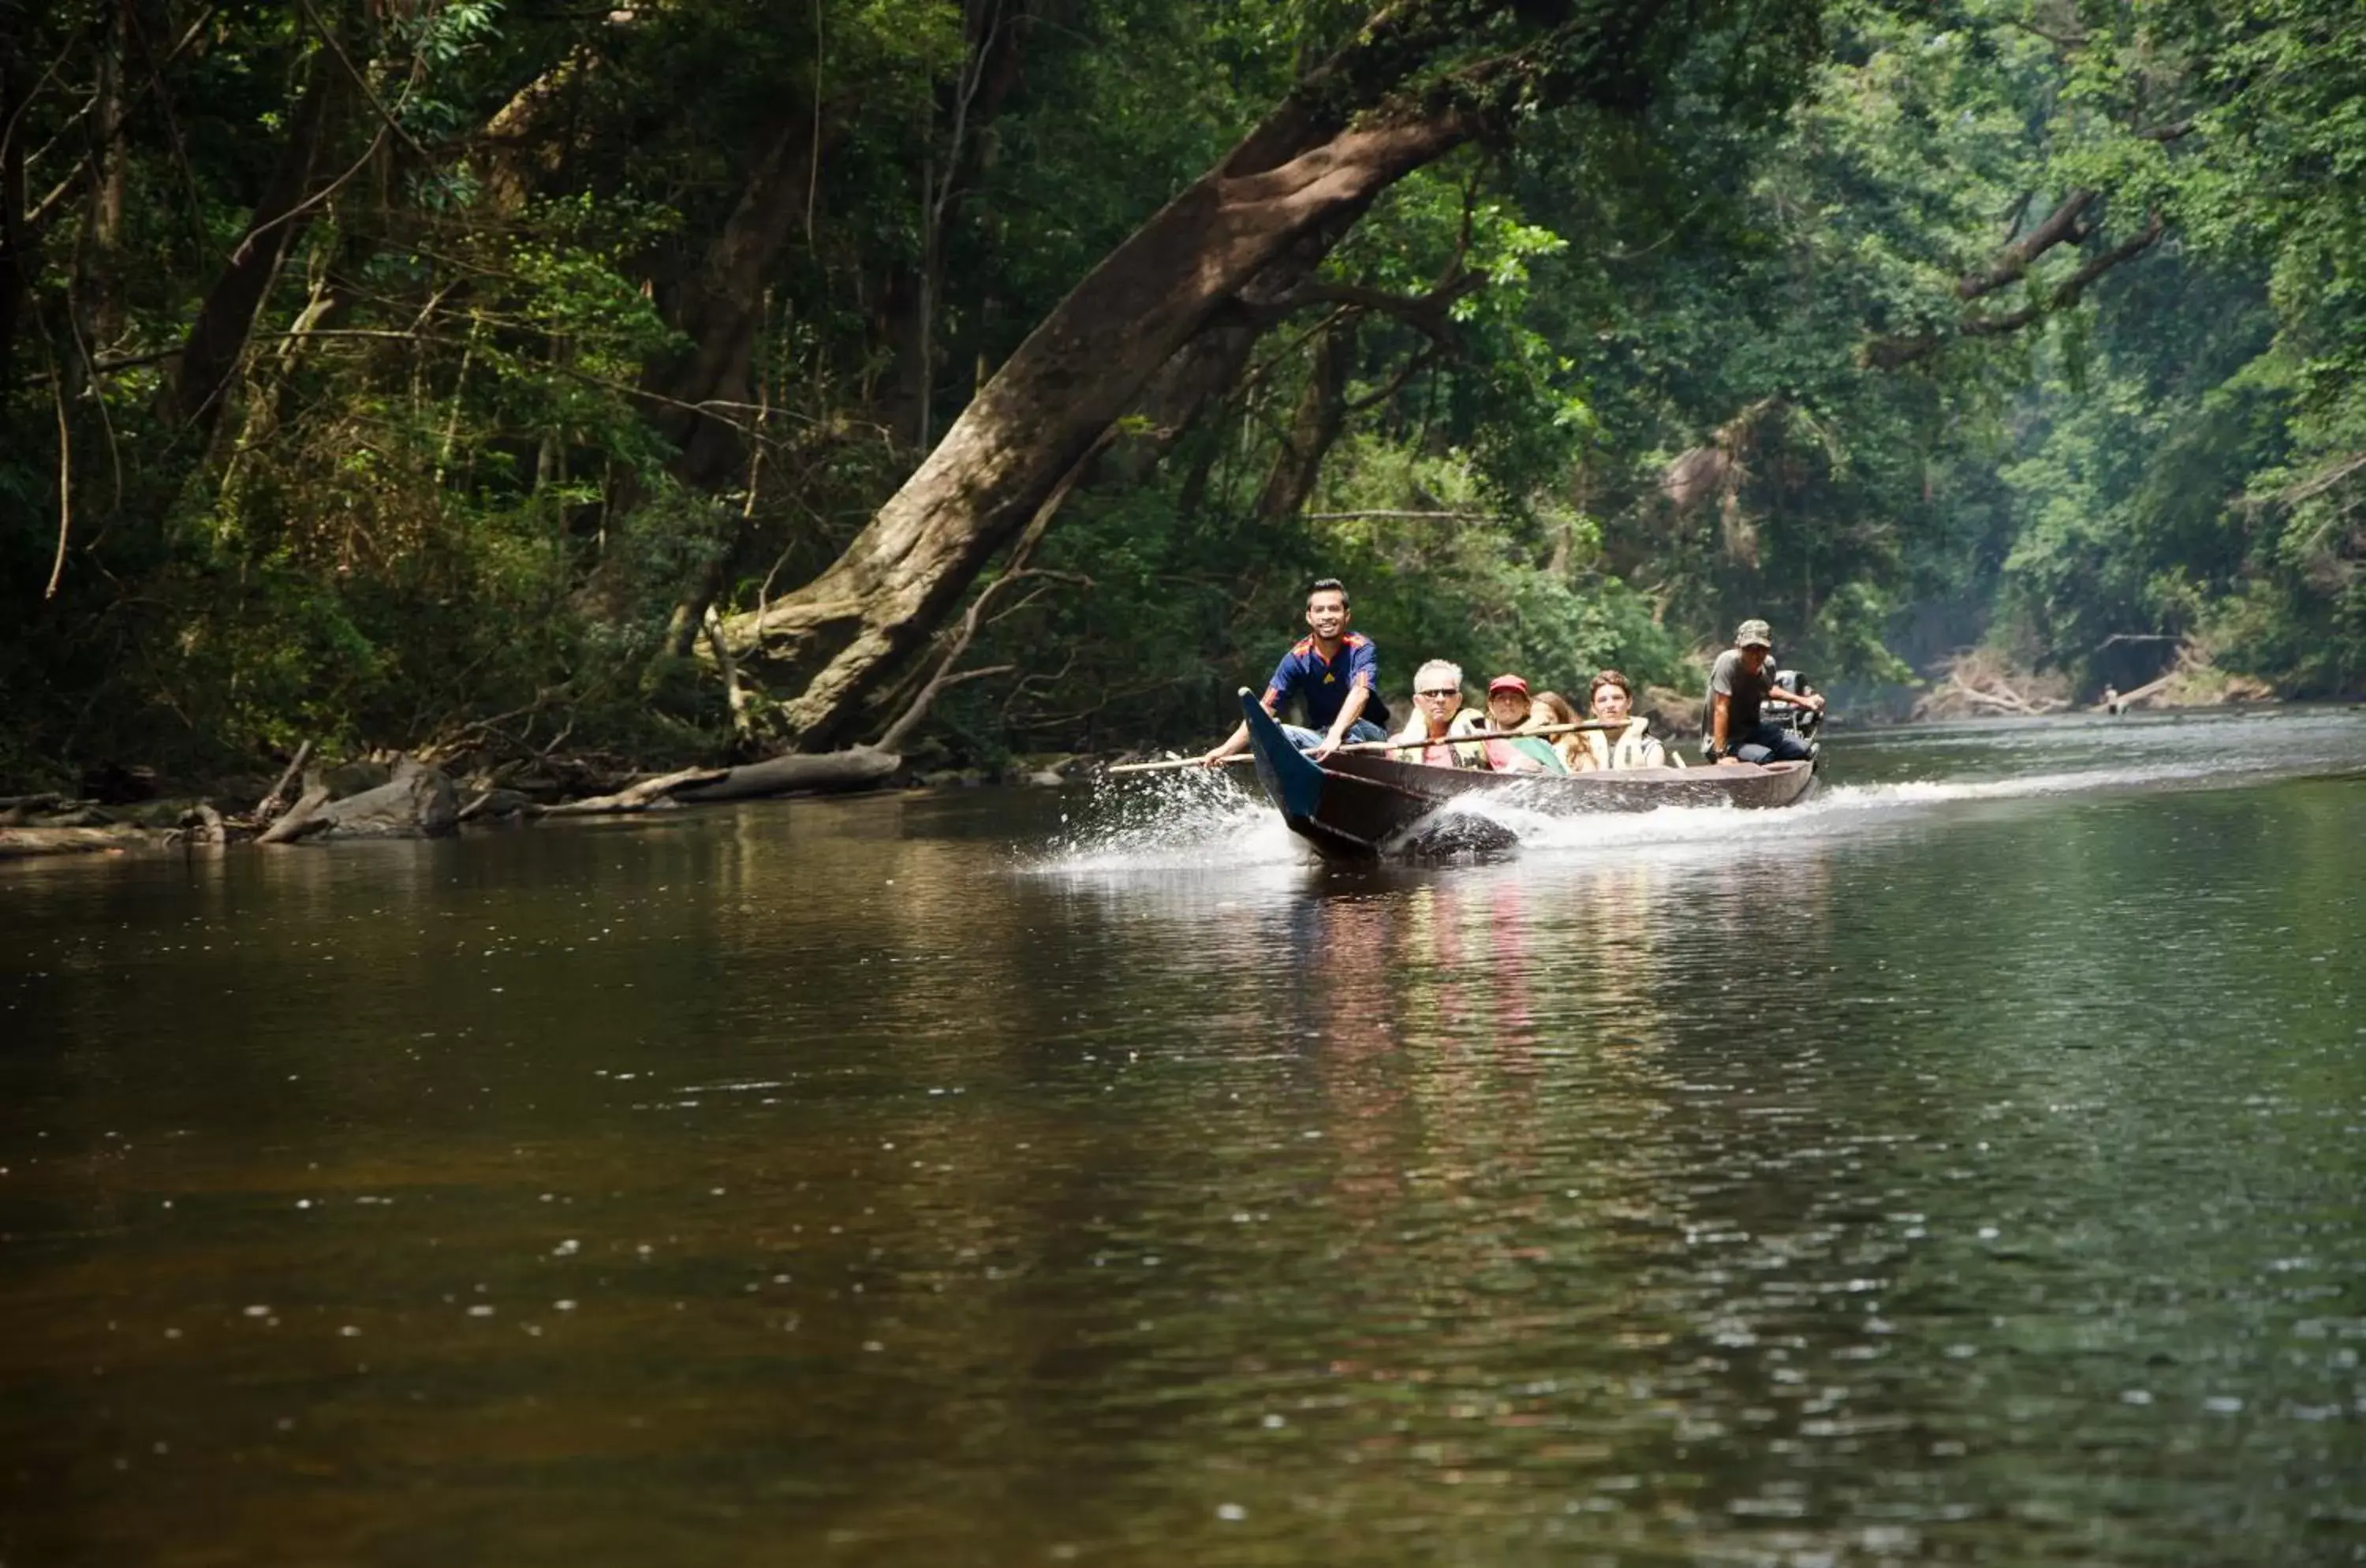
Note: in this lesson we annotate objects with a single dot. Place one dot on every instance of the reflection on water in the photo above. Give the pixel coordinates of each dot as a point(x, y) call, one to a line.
point(1962, 1167)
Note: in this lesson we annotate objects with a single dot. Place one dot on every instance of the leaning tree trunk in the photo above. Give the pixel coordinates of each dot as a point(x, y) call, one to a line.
point(1305, 175)
point(1075, 374)
point(217, 341)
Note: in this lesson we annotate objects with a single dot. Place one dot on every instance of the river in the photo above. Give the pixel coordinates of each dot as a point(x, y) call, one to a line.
point(1966, 1166)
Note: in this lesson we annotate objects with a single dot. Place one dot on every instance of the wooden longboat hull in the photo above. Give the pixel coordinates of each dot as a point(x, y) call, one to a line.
point(1362, 806)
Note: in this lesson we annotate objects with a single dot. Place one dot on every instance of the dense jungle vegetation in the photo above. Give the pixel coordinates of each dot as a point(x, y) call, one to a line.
point(683, 376)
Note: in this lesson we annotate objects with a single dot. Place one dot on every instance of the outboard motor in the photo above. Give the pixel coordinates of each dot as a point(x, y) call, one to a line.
point(1802, 722)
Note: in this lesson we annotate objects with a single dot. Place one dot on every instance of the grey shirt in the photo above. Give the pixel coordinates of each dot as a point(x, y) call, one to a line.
point(1746, 693)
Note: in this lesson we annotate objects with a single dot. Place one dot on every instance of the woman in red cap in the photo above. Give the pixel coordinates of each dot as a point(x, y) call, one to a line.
point(1508, 708)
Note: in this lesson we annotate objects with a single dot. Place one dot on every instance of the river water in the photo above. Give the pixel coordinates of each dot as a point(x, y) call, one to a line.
point(1966, 1166)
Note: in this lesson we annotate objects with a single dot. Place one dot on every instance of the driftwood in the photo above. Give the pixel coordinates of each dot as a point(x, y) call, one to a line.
point(493, 804)
point(1977, 683)
point(797, 773)
point(275, 803)
point(83, 814)
point(2115, 701)
point(301, 819)
point(418, 803)
point(201, 823)
point(821, 772)
point(23, 843)
point(794, 775)
point(641, 796)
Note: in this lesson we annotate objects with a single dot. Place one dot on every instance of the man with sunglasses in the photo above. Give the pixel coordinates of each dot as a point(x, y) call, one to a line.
point(1439, 716)
point(1334, 674)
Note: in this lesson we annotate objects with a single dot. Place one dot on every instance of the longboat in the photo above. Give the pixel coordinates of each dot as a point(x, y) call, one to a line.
point(1361, 805)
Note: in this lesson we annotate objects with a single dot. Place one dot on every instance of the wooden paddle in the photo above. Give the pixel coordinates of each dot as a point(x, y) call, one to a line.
point(1392, 745)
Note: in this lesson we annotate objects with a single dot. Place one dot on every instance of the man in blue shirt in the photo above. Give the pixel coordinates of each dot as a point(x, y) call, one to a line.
point(1335, 675)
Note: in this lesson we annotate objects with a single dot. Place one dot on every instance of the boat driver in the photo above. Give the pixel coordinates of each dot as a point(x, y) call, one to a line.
point(1334, 674)
point(1740, 685)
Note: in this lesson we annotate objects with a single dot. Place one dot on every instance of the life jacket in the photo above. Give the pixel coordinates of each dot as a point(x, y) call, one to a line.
point(1633, 748)
point(1501, 752)
point(1437, 753)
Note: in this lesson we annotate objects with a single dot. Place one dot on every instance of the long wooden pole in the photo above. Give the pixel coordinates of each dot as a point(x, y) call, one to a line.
point(1395, 745)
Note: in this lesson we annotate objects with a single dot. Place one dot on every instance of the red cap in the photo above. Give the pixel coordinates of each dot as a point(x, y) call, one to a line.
point(1507, 684)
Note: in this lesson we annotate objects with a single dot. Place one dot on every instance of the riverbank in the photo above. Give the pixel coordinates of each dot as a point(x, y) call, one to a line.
point(483, 794)
point(391, 795)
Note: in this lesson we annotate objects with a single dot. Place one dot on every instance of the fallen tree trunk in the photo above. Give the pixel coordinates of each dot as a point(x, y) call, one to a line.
point(496, 804)
point(2150, 689)
point(860, 767)
point(636, 797)
point(201, 823)
point(23, 843)
point(271, 804)
point(417, 803)
point(300, 819)
point(1978, 683)
point(796, 773)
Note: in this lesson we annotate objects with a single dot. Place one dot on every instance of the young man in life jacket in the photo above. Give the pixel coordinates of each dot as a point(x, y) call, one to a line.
point(1631, 745)
point(1740, 685)
point(1334, 674)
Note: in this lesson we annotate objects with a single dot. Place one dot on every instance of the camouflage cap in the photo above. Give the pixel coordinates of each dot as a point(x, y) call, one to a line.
point(1755, 634)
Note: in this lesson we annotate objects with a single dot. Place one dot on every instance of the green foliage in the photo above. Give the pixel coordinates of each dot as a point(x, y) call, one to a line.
point(1747, 342)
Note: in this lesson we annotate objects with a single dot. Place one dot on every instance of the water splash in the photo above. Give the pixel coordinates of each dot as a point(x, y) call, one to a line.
point(1185, 820)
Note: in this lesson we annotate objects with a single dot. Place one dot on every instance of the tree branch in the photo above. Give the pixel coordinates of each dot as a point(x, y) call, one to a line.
point(1427, 313)
point(65, 486)
point(2065, 293)
point(1897, 351)
point(1405, 372)
point(2012, 262)
point(2323, 479)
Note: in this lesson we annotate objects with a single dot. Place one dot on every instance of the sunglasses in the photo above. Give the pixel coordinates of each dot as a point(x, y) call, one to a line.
point(1439, 692)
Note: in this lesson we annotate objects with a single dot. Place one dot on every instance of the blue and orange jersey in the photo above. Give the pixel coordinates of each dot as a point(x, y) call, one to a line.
point(1322, 685)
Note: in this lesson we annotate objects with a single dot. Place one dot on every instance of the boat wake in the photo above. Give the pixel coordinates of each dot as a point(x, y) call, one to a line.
point(1193, 821)
point(1831, 810)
